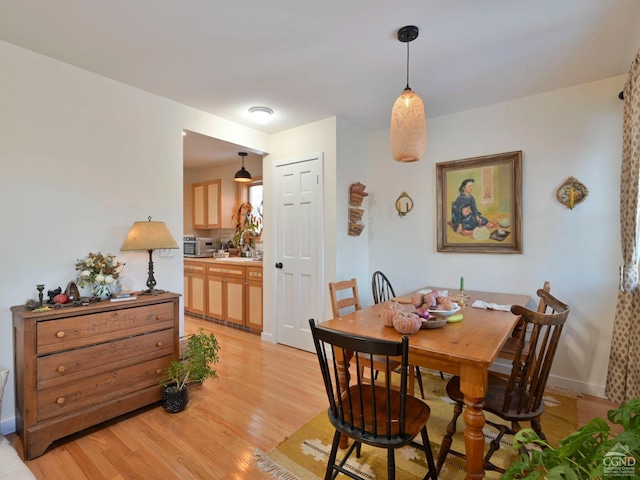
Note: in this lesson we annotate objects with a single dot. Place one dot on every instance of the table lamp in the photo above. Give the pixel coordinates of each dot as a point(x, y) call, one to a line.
point(149, 236)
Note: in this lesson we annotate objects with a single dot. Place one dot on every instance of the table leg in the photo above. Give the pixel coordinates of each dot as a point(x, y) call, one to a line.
point(344, 384)
point(473, 384)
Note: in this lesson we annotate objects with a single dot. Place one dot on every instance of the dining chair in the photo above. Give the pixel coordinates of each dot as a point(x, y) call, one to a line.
point(383, 292)
point(518, 397)
point(371, 413)
point(508, 350)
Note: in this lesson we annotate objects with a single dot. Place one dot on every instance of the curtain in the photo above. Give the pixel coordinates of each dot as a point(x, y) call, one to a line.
point(623, 375)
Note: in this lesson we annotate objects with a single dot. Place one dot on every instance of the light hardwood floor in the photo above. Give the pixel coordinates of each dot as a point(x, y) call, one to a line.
point(264, 393)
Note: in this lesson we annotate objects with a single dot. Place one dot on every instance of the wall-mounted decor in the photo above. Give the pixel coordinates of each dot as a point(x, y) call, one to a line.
point(404, 204)
point(479, 204)
point(356, 196)
point(571, 192)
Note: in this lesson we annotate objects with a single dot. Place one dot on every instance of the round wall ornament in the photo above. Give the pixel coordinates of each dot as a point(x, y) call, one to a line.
point(571, 192)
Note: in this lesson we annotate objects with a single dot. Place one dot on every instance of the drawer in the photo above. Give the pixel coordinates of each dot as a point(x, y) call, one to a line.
point(98, 389)
point(254, 273)
point(231, 271)
point(74, 365)
point(194, 267)
point(82, 330)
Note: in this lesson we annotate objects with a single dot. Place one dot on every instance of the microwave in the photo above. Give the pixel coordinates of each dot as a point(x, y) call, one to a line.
point(196, 247)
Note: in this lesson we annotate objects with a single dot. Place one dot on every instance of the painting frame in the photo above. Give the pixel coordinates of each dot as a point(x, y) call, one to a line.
point(498, 227)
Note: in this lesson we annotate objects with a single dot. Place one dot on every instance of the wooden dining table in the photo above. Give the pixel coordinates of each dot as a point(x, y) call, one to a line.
point(466, 349)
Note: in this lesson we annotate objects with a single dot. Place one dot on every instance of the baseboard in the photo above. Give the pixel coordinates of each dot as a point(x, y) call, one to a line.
point(561, 382)
point(8, 425)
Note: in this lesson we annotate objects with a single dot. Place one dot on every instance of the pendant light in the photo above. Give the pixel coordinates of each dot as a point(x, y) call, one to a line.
point(408, 124)
point(242, 175)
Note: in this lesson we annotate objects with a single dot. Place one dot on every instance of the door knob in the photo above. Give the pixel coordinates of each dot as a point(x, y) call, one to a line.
point(279, 265)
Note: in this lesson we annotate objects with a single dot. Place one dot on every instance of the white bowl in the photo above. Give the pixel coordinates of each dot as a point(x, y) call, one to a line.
point(446, 313)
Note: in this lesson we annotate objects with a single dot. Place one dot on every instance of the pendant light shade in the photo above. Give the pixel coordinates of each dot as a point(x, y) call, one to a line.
point(242, 175)
point(408, 123)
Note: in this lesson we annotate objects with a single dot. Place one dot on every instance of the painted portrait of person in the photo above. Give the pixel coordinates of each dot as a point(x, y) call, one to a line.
point(465, 216)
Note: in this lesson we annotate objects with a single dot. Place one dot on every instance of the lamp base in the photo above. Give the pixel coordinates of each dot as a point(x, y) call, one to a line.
point(152, 291)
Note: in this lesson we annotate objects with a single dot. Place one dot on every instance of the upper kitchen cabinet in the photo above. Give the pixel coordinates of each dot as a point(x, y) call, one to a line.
point(207, 204)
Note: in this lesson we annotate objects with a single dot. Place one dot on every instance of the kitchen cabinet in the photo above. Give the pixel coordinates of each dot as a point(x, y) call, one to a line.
point(194, 287)
point(253, 294)
point(226, 292)
point(207, 204)
point(76, 367)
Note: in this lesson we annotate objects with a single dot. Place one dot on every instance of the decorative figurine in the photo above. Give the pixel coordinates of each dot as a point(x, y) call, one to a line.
point(53, 293)
point(40, 288)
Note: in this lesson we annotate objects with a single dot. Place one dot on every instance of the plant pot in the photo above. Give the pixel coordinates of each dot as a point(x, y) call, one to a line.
point(174, 400)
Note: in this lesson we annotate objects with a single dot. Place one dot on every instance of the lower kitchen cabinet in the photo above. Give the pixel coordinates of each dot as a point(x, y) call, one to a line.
point(226, 292)
point(194, 287)
point(253, 304)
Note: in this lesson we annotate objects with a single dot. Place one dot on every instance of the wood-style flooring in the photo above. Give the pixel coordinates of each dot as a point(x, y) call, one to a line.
point(264, 393)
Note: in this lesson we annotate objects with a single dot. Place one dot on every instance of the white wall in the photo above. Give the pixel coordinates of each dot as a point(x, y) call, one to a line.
point(570, 132)
point(81, 158)
point(352, 252)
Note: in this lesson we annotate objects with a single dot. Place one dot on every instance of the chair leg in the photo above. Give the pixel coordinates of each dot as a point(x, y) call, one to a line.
point(535, 424)
point(332, 456)
point(419, 377)
point(448, 438)
point(432, 474)
point(391, 464)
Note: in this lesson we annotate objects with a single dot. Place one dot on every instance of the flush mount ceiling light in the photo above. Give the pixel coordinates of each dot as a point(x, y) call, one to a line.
point(408, 124)
point(260, 114)
point(242, 175)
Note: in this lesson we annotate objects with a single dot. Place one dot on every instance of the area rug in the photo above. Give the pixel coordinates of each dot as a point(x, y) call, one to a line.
point(304, 454)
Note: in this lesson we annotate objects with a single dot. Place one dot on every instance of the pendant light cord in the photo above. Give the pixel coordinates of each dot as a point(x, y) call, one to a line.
point(408, 66)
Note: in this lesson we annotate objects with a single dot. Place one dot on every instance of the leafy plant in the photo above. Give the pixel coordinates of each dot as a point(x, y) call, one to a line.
point(592, 451)
point(201, 352)
point(248, 226)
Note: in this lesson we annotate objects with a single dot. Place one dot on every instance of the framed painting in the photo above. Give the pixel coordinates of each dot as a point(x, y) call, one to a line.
point(479, 204)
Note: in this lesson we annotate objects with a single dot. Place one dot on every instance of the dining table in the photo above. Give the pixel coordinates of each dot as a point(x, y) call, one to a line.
point(466, 348)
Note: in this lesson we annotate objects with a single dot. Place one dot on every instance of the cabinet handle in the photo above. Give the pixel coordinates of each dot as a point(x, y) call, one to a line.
point(159, 344)
point(158, 317)
point(60, 400)
point(61, 369)
point(158, 371)
point(60, 334)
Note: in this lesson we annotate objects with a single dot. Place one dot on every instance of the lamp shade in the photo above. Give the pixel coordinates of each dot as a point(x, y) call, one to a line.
point(149, 236)
point(242, 175)
point(408, 127)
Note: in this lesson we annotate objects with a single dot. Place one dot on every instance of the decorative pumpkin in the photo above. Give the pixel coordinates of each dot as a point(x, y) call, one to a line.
point(407, 323)
point(388, 311)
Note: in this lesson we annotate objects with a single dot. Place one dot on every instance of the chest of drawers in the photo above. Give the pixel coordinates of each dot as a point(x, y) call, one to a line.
point(76, 367)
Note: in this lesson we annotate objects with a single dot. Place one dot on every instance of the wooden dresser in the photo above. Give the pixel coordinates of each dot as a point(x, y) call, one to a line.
point(76, 367)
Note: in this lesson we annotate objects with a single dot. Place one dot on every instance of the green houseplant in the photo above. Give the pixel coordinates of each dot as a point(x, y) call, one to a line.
point(201, 352)
point(592, 451)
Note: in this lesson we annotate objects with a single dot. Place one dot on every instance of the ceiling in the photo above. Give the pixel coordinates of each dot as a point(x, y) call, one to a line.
point(312, 60)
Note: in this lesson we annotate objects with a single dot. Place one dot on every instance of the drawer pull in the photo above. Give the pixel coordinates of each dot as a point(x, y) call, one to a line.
point(60, 400)
point(61, 369)
point(159, 344)
point(159, 371)
point(158, 317)
point(60, 334)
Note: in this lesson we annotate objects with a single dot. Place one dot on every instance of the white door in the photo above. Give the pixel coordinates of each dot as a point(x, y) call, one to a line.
point(299, 252)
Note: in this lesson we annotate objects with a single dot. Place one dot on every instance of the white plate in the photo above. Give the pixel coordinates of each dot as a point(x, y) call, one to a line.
point(446, 313)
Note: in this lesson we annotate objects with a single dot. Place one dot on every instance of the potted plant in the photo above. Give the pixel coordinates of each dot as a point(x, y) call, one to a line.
point(592, 451)
point(248, 226)
point(200, 353)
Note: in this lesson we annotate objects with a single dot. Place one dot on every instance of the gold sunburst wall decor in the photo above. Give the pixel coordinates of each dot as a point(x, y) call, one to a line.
point(571, 193)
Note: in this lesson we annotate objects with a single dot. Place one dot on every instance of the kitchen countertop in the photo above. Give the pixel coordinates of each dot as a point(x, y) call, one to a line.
point(228, 261)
